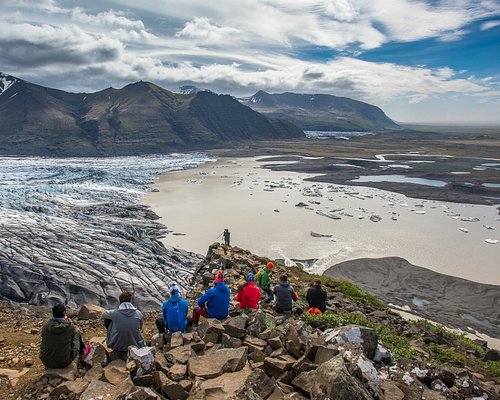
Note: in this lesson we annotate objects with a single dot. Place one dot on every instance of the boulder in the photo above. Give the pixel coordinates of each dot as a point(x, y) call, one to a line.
point(161, 363)
point(331, 380)
point(96, 373)
point(236, 326)
point(366, 337)
point(90, 311)
point(144, 359)
point(218, 362)
point(492, 355)
point(101, 390)
point(96, 355)
point(255, 343)
point(176, 340)
point(210, 330)
point(276, 366)
point(324, 354)
point(225, 386)
point(230, 342)
point(258, 382)
point(257, 324)
point(181, 354)
point(68, 373)
point(275, 343)
point(168, 387)
point(392, 391)
point(71, 388)
point(177, 372)
point(382, 354)
point(143, 393)
point(13, 375)
point(116, 372)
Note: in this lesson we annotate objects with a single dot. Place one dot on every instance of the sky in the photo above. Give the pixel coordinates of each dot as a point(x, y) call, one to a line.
point(424, 61)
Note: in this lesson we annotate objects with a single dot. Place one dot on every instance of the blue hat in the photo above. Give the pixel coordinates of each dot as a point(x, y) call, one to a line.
point(249, 277)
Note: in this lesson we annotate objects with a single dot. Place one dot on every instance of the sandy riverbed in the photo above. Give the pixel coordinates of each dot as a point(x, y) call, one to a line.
point(196, 205)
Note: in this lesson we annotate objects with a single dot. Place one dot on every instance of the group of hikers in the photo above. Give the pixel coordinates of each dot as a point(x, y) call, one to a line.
point(62, 342)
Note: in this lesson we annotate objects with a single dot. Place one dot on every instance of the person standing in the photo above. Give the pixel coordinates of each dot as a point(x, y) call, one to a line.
point(316, 296)
point(249, 295)
point(263, 280)
point(226, 234)
point(61, 340)
point(285, 296)
point(124, 326)
point(215, 302)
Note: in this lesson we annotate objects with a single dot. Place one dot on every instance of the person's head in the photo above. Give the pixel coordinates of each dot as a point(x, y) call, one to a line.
point(270, 265)
point(174, 291)
point(249, 277)
point(219, 277)
point(317, 282)
point(283, 278)
point(226, 230)
point(125, 297)
point(59, 310)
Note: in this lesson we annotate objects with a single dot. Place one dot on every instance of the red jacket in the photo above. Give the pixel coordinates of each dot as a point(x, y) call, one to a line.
point(249, 296)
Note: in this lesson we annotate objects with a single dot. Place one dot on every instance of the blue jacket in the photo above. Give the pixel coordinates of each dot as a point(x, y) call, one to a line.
point(183, 306)
point(216, 301)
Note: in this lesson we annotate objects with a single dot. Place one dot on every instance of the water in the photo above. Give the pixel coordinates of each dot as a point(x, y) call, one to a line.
point(419, 302)
point(399, 179)
point(335, 134)
point(491, 185)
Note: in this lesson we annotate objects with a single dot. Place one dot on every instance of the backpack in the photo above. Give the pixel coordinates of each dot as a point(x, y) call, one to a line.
point(175, 319)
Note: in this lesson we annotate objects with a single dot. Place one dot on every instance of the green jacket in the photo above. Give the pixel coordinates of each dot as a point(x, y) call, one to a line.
point(60, 343)
point(262, 278)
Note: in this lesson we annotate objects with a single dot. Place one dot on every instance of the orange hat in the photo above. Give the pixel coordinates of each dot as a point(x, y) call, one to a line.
point(219, 277)
point(270, 265)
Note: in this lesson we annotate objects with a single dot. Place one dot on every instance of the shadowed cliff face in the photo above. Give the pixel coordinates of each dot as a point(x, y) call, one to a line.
point(321, 111)
point(140, 118)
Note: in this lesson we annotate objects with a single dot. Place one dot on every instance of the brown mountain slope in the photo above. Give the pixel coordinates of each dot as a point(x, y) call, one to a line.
point(137, 119)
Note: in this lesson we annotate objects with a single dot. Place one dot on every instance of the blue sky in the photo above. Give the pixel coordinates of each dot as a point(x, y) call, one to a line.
point(420, 61)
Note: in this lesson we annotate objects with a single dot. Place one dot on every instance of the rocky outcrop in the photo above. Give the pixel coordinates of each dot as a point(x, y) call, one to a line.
point(262, 355)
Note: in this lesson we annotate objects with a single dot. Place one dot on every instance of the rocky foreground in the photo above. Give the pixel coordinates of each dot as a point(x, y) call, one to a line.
point(357, 350)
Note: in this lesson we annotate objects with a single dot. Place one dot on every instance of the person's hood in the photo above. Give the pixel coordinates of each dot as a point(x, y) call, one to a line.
point(175, 298)
point(220, 287)
point(284, 284)
point(58, 327)
point(127, 309)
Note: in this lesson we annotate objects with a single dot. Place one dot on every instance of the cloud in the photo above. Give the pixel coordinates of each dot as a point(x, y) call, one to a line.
point(489, 24)
point(107, 18)
point(31, 45)
point(203, 30)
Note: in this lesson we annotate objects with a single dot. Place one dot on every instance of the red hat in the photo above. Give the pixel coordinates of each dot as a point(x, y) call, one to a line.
point(219, 277)
point(270, 265)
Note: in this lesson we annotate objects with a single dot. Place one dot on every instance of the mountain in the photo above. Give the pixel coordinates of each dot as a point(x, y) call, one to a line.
point(137, 119)
point(321, 112)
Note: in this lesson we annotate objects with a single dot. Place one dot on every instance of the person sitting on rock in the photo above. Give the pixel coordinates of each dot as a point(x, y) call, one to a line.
point(61, 340)
point(285, 296)
point(124, 326)
point(174, 313)
point(316, 296)
point(248, 295)
point(214, 303)
point(264, 281)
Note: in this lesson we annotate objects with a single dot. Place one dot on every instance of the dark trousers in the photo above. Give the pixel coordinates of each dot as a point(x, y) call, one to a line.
point(160, 325)
point(270, 295)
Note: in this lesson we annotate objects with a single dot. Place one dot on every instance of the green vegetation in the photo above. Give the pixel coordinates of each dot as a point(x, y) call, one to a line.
point(397, 343)
point(347, 288)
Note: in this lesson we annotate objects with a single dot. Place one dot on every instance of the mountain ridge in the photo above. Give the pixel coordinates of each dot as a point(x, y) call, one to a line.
point(140, 118)
point(321, 111)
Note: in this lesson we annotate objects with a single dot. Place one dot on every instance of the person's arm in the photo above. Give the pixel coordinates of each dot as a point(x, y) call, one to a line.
point(308, 295)
point(205, 298)
point(107, 314)
point(294, 295)
point(238, 295)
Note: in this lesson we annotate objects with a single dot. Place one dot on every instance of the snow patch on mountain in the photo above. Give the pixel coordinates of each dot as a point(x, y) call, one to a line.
point(6, 81)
